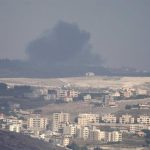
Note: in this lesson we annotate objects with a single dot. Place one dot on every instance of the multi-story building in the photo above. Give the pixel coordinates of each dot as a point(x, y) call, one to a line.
point(15, 128)
point(138, 127)
point(83, 132)
point(94, 135)
point(37, 122)
point(144, 119)
point(113, 136)
point(109, 118)
point(13, 120)
point(62, 94)
point(85, 119)
point(126, 119)
point(58, 119)
point(97, 135)
point(72, 93)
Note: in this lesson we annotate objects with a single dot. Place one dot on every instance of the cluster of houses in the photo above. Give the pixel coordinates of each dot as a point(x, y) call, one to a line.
point(59, 128)
point(68, 95)
point(71, 93)
point(65, 95)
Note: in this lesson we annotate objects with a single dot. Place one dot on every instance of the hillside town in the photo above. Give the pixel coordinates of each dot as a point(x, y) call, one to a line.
point(63, 128)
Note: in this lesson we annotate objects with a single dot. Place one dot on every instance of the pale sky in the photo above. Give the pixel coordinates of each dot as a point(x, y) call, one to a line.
point(119, 29)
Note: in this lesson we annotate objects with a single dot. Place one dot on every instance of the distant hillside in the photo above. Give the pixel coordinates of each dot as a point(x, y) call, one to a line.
point(18, 68)
point(14, 141)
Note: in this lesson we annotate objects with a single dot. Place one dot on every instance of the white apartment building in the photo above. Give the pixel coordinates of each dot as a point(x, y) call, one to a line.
point(15, 128)
point(113, 136)
point(85, 119)
point(109, 118)
point(126, 119)
point(143, 119)
point(37, 122)
point(96, 135)
point(58, 119)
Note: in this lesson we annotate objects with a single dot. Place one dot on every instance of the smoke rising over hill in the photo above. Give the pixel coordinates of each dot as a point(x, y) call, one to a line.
point(65, 44)
point(65, 50)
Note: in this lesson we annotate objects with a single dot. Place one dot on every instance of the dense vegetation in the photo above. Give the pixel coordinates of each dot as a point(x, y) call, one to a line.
point(14, 141)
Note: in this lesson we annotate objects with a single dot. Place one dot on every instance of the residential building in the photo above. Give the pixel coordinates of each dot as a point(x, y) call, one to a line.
point(95, 135)
point(143, 119)
point(126, 119)
point(37, 122)
point(61, 94)
point(12, 120)
point(58, 119)
point(15, 128)
point(113, 136)
point(138, 127)
point(83, 132)
point(109, 118)
point(85, 119)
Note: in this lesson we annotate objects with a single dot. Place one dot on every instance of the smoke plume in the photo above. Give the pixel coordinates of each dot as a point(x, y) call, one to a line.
point(65, 44)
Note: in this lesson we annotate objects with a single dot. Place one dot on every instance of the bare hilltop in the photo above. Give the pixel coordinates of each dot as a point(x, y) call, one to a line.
point(81, 82)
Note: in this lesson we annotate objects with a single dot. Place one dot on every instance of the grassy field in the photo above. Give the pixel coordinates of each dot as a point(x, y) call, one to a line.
point(74, 108)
